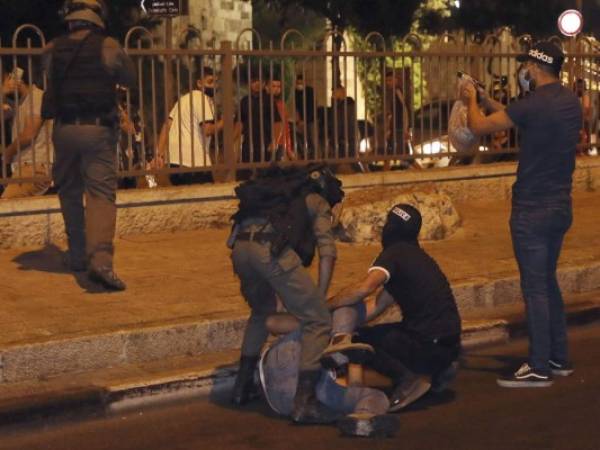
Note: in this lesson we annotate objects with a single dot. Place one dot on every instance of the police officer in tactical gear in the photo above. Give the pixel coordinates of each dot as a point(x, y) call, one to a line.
point(269, 252)
point(84, 67)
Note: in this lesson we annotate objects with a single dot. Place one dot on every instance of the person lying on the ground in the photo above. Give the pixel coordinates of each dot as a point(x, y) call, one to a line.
point(421, 351)
point(361, 410)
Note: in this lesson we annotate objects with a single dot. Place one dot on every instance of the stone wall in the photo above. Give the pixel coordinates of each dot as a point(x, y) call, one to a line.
point(37, 221)
point(364, 219)
point(217, 20)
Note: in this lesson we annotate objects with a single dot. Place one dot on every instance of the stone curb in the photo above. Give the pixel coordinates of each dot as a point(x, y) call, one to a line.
point(47, 359)
point(211, 382)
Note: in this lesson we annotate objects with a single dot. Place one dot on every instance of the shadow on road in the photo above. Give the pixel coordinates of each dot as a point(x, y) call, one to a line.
point(50, 259)
point(498, 364)
point(46, 259)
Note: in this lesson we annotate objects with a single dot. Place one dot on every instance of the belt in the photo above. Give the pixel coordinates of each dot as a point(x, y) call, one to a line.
point(257, 236)
point(98, 121)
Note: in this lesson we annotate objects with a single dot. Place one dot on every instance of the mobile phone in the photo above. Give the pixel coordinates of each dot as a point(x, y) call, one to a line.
point(475, 81)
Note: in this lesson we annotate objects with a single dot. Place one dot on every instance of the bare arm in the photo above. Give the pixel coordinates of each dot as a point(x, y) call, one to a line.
point(210, 129)
point(384, 301)
point(477, 122)
point(25, 137)
point(326, 266)
point(359, 291)
point(490, 104)
point(162, 140)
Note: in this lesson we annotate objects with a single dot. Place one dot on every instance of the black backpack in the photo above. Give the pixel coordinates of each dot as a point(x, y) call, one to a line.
point(279, 195)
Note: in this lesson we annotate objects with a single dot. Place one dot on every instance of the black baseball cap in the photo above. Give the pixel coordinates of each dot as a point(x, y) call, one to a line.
point(545, 53)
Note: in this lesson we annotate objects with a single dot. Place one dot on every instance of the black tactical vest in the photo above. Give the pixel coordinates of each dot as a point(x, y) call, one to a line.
point(82, 85)
point(295, 229)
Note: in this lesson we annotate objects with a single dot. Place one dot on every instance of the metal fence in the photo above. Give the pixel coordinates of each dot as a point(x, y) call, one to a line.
point(360, 110)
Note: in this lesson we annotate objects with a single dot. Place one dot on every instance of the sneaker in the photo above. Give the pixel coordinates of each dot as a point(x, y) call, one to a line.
point(561, 369)
point(368, 425)
point(410, 390)
point(525, 377)
point(442, 380)
point(341, 351)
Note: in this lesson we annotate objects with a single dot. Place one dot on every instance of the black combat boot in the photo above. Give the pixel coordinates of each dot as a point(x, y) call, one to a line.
point(244, 389)
point(307, 409)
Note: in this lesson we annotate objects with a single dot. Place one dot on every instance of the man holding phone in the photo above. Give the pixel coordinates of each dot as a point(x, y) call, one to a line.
point(549, 120)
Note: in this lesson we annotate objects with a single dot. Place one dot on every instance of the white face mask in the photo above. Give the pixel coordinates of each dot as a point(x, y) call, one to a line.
point(526, 82)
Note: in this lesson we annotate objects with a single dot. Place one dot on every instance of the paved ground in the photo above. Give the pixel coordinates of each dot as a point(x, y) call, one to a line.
point(186, 276)
point(475, 415)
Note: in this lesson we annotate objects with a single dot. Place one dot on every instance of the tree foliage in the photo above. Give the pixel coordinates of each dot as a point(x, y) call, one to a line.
point(535, 17)
point(388, 17)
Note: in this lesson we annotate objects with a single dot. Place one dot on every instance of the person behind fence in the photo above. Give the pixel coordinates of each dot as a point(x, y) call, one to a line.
point(586, 106)
point(549, 120)
point(84, 68)
point(342, 127)
point(184, 139)
point(281, 139)
point(362, 410)
point(304, 98)
point(282, 217)
point(421, 351)
point(396, 113)
point(30, 152)
point(255, 125)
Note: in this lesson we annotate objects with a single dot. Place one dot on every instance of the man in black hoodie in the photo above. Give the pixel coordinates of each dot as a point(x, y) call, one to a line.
point(420, 352)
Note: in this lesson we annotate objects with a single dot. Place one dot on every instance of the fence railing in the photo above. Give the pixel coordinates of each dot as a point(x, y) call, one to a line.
point(227, 110)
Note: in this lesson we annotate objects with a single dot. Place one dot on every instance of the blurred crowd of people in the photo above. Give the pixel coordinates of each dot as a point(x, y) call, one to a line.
point(271, 123)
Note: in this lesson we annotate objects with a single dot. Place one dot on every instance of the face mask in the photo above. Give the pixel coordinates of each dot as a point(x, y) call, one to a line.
point(525, 81)
point(208, 91)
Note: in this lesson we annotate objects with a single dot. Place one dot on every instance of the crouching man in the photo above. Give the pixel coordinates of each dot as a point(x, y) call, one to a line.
point(421, 351)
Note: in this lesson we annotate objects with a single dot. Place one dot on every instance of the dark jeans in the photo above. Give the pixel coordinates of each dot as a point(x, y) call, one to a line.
point(398, 350)
point(537, 229)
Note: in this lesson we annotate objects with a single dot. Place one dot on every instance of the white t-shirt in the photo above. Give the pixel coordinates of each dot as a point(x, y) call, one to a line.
point(187, 117)
point(30, 106)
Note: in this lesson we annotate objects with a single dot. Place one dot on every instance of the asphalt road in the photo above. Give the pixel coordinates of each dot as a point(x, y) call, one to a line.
point(475, 415)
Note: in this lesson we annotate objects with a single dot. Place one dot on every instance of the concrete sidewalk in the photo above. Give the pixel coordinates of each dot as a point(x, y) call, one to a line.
point(183, 299)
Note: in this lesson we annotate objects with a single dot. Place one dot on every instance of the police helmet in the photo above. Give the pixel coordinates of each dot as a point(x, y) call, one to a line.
point(92, 11)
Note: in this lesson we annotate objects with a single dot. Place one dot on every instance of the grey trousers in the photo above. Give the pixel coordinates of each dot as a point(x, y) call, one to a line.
point(86, 163)
point(262, 276)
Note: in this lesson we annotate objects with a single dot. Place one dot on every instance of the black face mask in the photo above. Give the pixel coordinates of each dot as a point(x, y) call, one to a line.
point(391, 234)
point(208, 91)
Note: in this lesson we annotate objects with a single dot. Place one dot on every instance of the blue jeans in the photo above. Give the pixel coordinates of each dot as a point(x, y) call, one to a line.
point(537, 229)
point(280, 365)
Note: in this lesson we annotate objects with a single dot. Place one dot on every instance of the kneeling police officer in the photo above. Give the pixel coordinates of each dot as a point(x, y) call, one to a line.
point(283, 216)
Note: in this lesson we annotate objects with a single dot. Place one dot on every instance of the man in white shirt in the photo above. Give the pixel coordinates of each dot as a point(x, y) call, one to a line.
point(30, 153)
point(185, 137)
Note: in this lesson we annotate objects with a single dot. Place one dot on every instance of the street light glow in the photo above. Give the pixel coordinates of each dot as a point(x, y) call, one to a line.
point(570, 22)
